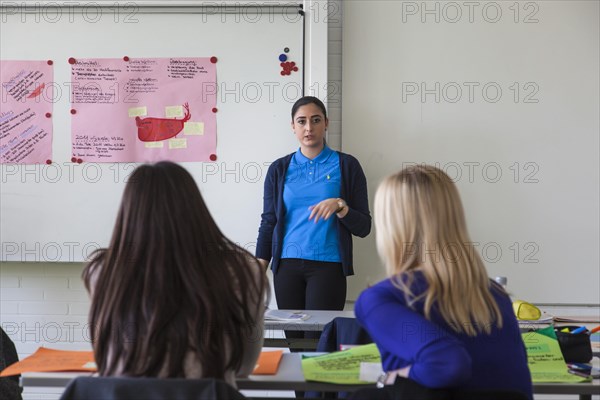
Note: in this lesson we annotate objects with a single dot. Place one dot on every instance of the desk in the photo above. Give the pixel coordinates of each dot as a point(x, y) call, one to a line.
point(315, 323)
point(290, 377)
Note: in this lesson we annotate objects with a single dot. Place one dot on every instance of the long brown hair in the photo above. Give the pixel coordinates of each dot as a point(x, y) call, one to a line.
point(170, 282)
point(421, 225)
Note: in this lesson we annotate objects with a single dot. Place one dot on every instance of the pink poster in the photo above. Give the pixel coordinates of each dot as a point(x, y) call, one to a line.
point(143, 109)
point(26, 112)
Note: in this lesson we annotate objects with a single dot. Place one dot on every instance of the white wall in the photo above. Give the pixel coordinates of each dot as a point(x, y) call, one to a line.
point(408, 70)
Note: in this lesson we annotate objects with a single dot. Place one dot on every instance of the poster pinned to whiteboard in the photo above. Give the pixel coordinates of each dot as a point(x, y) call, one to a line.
point(26, 112)
point(143, 109)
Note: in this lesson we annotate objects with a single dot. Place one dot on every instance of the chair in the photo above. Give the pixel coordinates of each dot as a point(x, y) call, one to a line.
point(339, 331)
point(125, 388)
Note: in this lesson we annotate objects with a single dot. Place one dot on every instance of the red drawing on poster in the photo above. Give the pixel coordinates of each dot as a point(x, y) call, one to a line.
point(156, 129)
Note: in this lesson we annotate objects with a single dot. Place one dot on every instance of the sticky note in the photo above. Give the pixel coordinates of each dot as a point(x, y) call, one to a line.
point(154, 145)
point(193, 128)
point(178, 144)
point(173, 111)
point(138, 112)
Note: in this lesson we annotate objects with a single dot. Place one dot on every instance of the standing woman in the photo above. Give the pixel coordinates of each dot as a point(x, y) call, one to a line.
point(172, 297)
point(438, 320)
point(315, 199)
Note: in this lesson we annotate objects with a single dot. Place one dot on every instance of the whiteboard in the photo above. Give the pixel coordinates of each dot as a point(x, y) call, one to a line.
point(63, 211)
point(525, 158)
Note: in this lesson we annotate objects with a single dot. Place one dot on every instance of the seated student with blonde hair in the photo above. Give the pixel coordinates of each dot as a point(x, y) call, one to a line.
point(438, 319)
point(172, 297)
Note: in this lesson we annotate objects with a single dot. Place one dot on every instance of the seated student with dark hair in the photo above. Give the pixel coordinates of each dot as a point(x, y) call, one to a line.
point(9, 386)
point(438, 320)
point(172, 297)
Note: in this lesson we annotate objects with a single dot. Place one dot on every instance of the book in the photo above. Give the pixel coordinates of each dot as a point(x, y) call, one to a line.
point(285, 315)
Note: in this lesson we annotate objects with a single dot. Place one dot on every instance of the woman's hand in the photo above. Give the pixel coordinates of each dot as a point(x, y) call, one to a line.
point(326, 208)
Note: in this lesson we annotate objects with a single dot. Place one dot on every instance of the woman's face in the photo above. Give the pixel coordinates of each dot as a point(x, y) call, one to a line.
point(309, 125)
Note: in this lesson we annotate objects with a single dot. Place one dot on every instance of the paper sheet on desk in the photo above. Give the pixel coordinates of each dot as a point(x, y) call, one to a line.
point(545, 360)
point(342, 367)
point(49, 360)
point(268, 362)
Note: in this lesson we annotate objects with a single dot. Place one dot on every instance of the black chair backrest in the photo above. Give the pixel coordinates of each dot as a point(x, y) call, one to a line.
point(124, 388)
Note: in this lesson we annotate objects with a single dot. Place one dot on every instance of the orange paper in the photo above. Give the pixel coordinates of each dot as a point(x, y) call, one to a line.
point(268, 362)
point(49, 360)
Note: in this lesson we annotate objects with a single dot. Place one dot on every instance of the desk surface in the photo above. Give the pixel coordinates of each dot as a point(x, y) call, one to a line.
point(290, 377)
point(316, 321)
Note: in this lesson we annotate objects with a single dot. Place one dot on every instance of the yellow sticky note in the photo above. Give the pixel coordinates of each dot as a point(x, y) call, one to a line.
point(138, 112)
point(178, 144)
point(193, 128)
point(173, 111)
point(154, 145)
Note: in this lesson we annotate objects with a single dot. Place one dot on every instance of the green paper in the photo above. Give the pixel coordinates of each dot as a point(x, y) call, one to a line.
point(546, 362)
point(342, 367)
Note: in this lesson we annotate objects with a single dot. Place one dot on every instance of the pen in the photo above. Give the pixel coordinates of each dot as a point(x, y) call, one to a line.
point(596, 329)
point(579, 330)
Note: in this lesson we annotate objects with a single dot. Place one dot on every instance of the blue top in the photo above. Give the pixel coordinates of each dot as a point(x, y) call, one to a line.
point(441, 357)
point(353, 190)
point(307, 182)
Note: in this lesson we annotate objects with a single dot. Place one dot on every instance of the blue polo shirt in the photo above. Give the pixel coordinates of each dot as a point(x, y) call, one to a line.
point(307, 182)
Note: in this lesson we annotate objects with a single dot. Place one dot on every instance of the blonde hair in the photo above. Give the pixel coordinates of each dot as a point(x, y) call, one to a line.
point(420, 225)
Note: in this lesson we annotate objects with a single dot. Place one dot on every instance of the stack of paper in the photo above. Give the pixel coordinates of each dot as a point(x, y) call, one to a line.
point(546, 362)
point(285, 315)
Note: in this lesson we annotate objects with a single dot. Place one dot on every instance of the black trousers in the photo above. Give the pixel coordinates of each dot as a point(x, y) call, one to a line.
point(309, 285)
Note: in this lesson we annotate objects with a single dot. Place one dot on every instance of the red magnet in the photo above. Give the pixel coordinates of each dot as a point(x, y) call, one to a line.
point(72, 60)
point(125, 58)
point(215, 109)
point(79, 161)
point(50, 62)
point(73, 111)
point(73, 159)
point(213, 157)
point(48, 162)
point(213, 59)
point(48, 115)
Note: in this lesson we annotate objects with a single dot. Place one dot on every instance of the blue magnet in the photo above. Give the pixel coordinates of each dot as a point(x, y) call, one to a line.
point(282, 57)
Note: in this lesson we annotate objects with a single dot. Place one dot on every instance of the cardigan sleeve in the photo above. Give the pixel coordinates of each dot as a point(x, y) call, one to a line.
point(264, 248)
point(358, 219)
point(405, 337)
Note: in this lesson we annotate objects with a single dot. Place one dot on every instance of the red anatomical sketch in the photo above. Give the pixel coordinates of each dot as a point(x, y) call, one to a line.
point(37, 91)
point(156, 129)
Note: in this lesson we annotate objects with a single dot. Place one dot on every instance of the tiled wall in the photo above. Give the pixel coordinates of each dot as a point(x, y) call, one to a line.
point(44, 305)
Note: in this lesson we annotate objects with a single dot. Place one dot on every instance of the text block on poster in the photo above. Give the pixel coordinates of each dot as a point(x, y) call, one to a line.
point(143, 109)
point(26, 112)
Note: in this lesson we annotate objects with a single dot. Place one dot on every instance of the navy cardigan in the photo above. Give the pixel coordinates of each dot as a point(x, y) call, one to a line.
point(356, 222)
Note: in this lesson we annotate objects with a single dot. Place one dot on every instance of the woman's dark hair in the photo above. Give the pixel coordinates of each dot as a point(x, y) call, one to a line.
point(170, 282)
point(308, 100)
